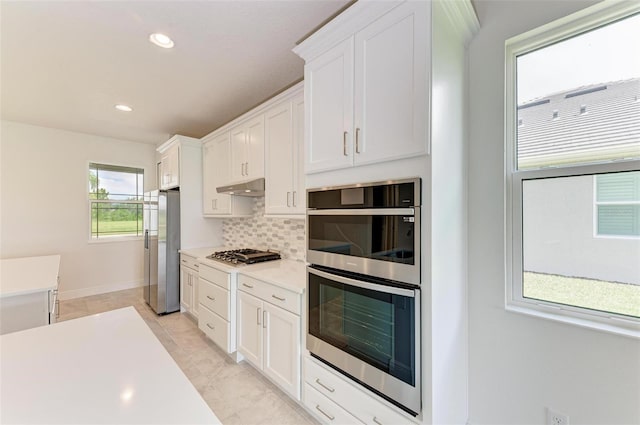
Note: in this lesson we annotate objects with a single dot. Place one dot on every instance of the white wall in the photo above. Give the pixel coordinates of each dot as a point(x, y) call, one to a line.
point(520, 364)
point(559, 234)
point(44, 207)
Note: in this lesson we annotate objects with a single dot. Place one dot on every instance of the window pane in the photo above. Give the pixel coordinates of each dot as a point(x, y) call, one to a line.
point(619, 187)
point(563, 261)
point(115, 183)
point(579, 99)
point(620, 220)
point(111, 218)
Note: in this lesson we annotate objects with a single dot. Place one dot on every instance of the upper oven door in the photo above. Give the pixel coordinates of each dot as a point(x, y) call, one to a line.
point(381, 242)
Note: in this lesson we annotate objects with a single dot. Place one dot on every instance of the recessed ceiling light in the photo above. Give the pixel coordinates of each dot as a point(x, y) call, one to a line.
point(161, 40)
point(124, 108)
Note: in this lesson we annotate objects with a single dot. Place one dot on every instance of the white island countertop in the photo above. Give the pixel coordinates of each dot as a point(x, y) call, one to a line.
point(20, 276)
point(107, 368)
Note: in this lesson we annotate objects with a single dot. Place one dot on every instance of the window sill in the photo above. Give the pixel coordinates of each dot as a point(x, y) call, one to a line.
point(116, 239)
point(612, 325)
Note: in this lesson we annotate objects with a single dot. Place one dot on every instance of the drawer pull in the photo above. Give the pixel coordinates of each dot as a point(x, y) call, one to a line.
point(211, 327)
point(248, 286)
point(212, 299)
point(375, 419)
point(324, 386)
point(278, 298)
point(324, 413)
point(258, 315)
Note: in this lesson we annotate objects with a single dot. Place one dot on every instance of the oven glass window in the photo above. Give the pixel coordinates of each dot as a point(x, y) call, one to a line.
point(380, 237)
point(374, 326)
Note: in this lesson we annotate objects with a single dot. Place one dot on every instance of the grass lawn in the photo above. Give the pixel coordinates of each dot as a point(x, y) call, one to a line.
point(594, 294)
point(117, 228)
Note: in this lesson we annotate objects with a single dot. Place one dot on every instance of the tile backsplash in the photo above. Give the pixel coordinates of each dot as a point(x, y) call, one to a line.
point(285, 235)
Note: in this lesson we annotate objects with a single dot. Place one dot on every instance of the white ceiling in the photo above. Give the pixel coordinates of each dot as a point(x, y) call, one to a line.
point(66, 64)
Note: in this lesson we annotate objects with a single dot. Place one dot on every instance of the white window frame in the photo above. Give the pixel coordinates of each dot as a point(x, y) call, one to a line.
point(597, 203)
point(112, 238)
point(577, 23)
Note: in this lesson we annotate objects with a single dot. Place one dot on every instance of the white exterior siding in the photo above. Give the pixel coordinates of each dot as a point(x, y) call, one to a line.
point(559, 234)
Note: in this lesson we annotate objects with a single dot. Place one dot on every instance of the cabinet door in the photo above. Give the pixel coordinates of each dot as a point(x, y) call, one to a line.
point(391, 77)
point(254, 163)
point(170, 168)
point(279, 159)
point(186, 293)
point(250, 322)
point(195, 294)
point(329, 112)
point(298, 197)
point(238, 153)
point(215, 172)
point(282, 349)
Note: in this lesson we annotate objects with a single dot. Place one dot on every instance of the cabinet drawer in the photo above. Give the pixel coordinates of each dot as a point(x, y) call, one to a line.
point(215, 327)
point(326, 410)
point(189, 261)
point(360, 404)
point(276, 295)
point(216, 276)
point(214, 298)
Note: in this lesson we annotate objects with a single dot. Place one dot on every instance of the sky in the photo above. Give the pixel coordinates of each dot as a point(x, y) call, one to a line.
point(118, 183)
point(610, 53)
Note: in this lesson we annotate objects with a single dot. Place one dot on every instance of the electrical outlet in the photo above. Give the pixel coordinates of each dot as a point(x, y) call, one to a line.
point(555, 418)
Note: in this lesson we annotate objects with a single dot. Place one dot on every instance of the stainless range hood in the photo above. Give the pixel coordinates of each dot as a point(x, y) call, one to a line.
point(248, 188)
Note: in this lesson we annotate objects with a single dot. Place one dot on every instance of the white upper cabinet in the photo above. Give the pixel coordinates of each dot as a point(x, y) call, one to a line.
point(216, 151)
point(368, 95)
point(329, 88)
point(284, 174)
point(247, 150)
point(169, 168)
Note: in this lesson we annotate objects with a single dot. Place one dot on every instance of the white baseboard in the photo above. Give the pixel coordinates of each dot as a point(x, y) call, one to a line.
point(96, 290)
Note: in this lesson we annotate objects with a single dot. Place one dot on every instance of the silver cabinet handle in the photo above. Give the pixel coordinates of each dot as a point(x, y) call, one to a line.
point(211, 327)
point(344, 143)
point(258, 315)
point(294, 198)
point(57, 308)
point(242, 168)
point(184, 261)
point(212, 299)
point(246, 168)
point(278, 298)
point(248, 286)
point(375, 419)
point(264, 318)
point(324, 386)
point(324, 413)
point(357, 140)
point(288, 193)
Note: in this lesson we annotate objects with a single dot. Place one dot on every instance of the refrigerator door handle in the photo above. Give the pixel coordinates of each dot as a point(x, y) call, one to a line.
point(146, 239)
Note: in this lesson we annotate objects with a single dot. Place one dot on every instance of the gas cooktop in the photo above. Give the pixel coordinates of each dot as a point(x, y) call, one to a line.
point(244, 256)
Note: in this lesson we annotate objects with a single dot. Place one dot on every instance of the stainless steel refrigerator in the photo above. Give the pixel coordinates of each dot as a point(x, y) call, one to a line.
point(161, 218)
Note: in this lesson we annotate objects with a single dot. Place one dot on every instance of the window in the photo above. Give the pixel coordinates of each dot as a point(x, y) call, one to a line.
point(573, 179)
point(115, 199)
point(618, 204)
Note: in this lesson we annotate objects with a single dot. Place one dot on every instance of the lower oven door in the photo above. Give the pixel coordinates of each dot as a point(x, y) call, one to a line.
point(369, 331)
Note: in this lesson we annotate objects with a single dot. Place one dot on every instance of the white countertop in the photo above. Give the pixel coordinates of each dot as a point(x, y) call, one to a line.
point(19, 276)
point(288, 274)
point(107, 368)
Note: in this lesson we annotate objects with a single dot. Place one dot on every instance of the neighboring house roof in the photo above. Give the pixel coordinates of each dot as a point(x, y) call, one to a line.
point(597, 122)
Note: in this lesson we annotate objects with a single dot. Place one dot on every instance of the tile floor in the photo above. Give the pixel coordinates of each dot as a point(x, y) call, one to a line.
point(236, 392)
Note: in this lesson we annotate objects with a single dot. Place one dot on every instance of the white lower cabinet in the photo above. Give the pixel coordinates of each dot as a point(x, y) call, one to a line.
point(217, 306)
point(269, 334)
point(325, 409)
point(335, 390)
point(189, 284)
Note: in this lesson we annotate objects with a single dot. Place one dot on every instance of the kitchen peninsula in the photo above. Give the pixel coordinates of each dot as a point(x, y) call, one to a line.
point(105, 368)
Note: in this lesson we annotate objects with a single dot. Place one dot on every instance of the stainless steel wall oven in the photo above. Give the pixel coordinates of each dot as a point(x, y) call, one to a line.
point(363, 285)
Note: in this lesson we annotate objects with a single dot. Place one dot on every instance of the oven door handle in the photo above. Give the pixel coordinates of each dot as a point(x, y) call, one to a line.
point(411, 293)
point(367, 211)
